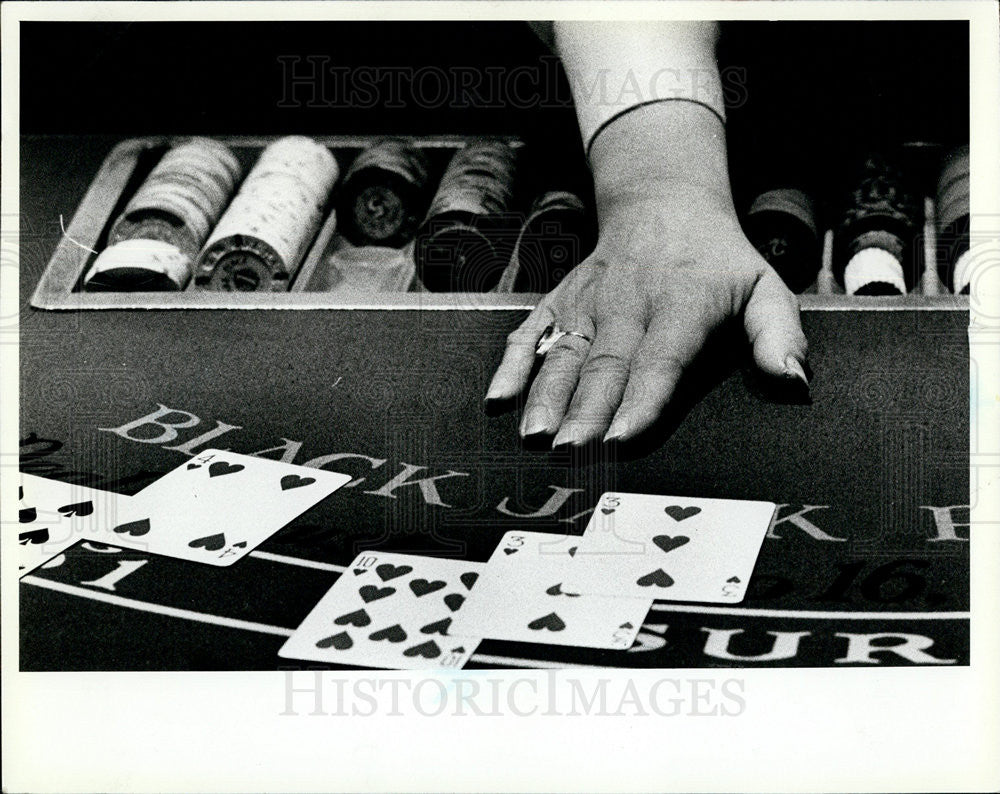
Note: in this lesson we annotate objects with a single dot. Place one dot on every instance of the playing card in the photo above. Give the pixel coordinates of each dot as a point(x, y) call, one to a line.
point(390, 610)
point(53, 515)
point(522, 595)
point(219, 506)
point(670, 548)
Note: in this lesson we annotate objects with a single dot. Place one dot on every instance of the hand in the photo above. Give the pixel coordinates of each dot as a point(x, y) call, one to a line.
point(672, 263)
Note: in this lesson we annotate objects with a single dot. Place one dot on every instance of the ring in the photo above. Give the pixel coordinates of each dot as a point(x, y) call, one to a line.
point(552, 334)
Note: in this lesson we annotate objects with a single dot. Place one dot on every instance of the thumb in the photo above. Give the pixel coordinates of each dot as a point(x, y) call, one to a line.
point(771, 320)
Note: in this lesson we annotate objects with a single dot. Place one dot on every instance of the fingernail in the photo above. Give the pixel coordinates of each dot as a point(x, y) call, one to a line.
point(618, 429)
point(536, 420)
point(494, 392)
point(568, 434)
point(794, 369)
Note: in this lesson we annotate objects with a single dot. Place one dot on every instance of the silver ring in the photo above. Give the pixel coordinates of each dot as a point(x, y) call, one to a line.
point(552, 334)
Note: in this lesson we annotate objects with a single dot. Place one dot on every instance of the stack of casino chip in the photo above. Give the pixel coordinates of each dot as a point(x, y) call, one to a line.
point(874, 251)
point(557, 235)
point(383, 195)
point(172, 214)
point(458, 248)
point(781, 224)
point(261, 239)
point(952, 220)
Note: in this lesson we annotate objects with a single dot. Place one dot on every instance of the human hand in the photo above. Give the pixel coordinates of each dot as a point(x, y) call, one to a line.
point(671, 264)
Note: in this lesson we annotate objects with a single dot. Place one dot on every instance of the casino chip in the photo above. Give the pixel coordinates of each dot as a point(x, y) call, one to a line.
point(177, 205)
point(456, 248)
point(262, 237)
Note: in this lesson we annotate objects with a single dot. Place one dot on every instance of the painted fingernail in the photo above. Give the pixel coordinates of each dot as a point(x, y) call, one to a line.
point(536, 420)
point(794, 369)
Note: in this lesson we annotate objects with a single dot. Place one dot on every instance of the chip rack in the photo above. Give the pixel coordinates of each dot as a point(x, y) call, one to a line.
point(121, 173)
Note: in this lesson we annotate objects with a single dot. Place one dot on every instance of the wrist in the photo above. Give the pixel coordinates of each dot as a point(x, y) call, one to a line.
point(647, 195)
point(665, 207)
point(663, 146)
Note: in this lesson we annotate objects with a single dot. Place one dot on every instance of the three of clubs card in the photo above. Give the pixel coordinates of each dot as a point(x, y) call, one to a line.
point(523, 595)
point(390, 610)
point(670, 548)
point(217, 507)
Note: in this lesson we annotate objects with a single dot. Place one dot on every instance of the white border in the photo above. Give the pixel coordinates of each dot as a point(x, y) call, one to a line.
point(819, 730)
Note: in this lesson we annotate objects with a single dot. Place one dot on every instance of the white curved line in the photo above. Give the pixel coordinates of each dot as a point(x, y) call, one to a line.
point(160, 609)
point(320, 566)
point(810, 615)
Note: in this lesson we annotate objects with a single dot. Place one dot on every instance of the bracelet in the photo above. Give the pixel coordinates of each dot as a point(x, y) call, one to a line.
point(620, 113)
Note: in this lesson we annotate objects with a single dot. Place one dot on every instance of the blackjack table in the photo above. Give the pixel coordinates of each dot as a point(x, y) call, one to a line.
point(866, 562)
point(872, 476)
